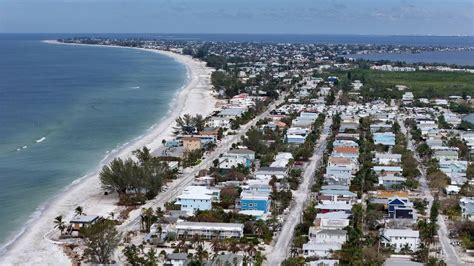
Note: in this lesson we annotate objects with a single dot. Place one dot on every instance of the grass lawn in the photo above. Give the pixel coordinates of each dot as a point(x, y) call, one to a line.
point(421, 83)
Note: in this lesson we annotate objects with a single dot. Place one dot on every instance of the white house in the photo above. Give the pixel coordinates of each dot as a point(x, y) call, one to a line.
point(210, 230)
point(311, 249)
point(332, 220)
point(387, 158)
point(400, 238)
point(467, 208)
point(266, 173)
point(195, 198)
point(327, 235)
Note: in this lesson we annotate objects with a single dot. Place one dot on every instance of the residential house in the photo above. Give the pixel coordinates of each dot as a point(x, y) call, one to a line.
point(327, 235)
point(191, 143)
point(384, 138)
point(176, 259)
point(387, 158)
point(233, 158)
point(255, 200)
point(390, 181)
point(400, 208)
point(334, 207)
point(311, 249)
point(195, 198)
point(467, 208)
point(346, 152)
point(387, 170)
point(210, 230)
point(266, 173)
point(400, 238)
point(332, 220)
point(226, 260)
point(82, 221)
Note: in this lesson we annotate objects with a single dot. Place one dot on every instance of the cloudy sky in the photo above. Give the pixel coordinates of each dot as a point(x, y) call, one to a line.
point(381, 17)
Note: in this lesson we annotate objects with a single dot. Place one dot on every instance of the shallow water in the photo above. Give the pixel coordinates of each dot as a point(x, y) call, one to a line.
point(64, 108)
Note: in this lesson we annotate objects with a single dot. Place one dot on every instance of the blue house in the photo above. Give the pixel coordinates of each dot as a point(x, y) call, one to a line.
point(400, 208)
point(255, 200)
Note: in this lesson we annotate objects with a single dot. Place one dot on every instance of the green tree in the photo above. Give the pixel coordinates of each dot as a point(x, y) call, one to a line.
point(100, 239)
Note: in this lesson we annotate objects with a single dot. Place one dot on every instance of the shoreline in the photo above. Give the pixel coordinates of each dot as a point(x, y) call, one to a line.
point(30, 245)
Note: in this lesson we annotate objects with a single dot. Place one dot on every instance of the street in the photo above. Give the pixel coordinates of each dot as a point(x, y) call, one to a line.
point(449, 253)
point(282, 246)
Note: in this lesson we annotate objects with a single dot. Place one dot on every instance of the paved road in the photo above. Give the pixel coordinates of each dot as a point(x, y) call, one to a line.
point(177, 187)
point(282, 246)
point(449, 252)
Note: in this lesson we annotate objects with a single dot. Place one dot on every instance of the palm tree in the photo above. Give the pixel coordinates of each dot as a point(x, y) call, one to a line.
point(216, 244)
point(59, 224)
point(79, 211)
point(201, 254)
point(233, 247)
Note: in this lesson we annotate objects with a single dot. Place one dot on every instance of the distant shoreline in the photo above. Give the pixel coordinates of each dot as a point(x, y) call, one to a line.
point(32, 246)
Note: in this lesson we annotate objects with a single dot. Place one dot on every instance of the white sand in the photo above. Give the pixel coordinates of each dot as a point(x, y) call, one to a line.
point(33, 248)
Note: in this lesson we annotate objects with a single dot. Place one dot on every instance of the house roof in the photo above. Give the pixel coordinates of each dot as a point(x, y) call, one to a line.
point(332, 232)
point(344, 149)
point(215, 226)
point(387, 232)
point(84, 219)
point(340, 160)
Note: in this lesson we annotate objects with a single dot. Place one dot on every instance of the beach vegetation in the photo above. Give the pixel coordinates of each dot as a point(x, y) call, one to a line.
point(189, 125)
point(100, 239)
point(60, 224)
point(79, 211)
point(136, 181)
point(191, 158)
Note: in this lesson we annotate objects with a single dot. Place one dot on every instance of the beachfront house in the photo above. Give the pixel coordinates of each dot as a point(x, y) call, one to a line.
point(82, 221)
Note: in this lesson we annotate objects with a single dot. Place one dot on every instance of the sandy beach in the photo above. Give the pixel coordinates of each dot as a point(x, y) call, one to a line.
point(32, 247)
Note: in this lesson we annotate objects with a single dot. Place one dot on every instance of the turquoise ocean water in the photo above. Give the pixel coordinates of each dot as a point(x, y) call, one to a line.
point(64, 108)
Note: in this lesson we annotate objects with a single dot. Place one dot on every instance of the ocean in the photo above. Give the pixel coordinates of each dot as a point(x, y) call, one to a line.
point(64, 108)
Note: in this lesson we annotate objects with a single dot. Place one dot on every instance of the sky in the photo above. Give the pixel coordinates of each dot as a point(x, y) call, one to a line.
point(373, 17)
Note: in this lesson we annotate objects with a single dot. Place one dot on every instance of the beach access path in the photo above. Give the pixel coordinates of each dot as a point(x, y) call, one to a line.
point(33, 246)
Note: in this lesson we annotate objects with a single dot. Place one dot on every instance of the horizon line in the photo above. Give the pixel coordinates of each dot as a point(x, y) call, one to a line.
point(276, 34)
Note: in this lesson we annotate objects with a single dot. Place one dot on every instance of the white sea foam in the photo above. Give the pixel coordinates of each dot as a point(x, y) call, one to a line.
point(135, 88)
point(40, 140)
